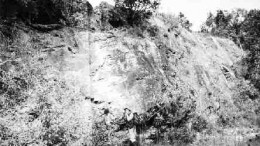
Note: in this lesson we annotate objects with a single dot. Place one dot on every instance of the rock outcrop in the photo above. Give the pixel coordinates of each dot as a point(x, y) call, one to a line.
point(117, 69)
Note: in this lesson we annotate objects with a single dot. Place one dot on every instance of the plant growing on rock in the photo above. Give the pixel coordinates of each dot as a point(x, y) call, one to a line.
point(181, 135)
point(199, 124)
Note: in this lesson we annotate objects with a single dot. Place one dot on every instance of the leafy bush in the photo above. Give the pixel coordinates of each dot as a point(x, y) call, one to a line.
point(225, 23)
point(104, 12)
point(225, 121)
point(46, 12)
point(13, 91)
point(5, 135)
point(169, 19)
point(185, 23)
point(199, 124)
point(246, 100)
point(180, 136)
point(100, 134)
point(132, 12)
point(250, 41)
point(55, 137)
point(153, 30)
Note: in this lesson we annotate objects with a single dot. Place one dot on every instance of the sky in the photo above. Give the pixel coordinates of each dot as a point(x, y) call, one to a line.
point(197, 10)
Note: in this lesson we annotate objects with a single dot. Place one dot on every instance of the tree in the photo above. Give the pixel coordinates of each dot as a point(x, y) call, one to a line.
point(45, 11)
point(221, 21)
point(243, 28)
point(210, 20)
point(135, 12)
point(185, 23)
point(251, 42)
point(227, 24)
point(209, 24)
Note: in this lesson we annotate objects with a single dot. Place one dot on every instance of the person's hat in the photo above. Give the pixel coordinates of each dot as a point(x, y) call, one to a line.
point(127, 109)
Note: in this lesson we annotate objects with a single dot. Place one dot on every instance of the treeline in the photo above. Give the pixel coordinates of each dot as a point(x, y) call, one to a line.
point(80, 13)
point(72, 12)
point(243, 27)
point(45, 12)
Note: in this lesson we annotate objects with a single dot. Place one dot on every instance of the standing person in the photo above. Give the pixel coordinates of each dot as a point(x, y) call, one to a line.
point(131, 128)
point(137, 123)
point(138, 127)
point(108, 117)
point(158, 121)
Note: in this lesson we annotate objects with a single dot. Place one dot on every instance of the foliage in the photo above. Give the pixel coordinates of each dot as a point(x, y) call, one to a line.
point(218, 23)
point(251, 41)
point(246, 100)
point(153, 30)
point(169, 19)
point(104, 12)
point(175, 21)
point(243, 28)
point(224, 121)
point(224, 23)
point(180, 136)
point(99, 134)
point(199, 124)
point(46, 12)
point(185, 23)
point(132, 12)
point(12, 91)
point(55, 137)
point(36, 108)
point(168, 120)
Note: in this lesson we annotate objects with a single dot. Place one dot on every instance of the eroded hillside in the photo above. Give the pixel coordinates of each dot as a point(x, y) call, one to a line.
point(55, 85)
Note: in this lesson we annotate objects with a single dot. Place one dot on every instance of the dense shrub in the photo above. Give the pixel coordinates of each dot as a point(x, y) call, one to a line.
point(5, 134)
point(132, 12)
point(225, 121)
point(55, 137)
point(100, 134)
point(181, 135)
point(199, 124)
point(246, 100)
point(224, 23)
point(169, 19)
point(250, 41)
point(104, 14)
point(153, 30)
point(185, 23)
point(69, 12)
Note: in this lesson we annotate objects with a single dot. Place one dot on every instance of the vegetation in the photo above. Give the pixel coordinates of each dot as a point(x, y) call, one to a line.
point(185, 23)
point(243, 28)
point(66, 12)
point(133, 12)
point(47, 106)
point(250, 41)
point(33, 105)
point(225, 23)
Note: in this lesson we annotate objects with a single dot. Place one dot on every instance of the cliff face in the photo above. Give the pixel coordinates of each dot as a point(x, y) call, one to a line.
point(119, 69)
point(138, 72)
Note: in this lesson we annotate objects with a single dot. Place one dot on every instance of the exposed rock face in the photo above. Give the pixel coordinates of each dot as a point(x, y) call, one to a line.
point(118, 70)
point(138, 72)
